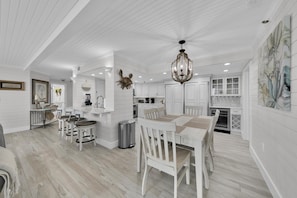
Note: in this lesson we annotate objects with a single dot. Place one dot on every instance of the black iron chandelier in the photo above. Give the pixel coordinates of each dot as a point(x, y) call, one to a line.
point(182, 67)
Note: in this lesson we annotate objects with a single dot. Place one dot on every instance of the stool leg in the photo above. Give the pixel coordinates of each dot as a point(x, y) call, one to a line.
point(71, 132)
point(67, 129)
point(94, 135)
point(80, 139)
point(59, 126)
point(62, 131)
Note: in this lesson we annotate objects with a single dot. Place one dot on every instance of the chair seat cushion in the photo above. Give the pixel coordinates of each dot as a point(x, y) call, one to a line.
point(181, 157)
point(67, 116)
point(85, 123)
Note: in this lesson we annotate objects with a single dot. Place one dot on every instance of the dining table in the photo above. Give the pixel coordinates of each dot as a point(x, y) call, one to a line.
point(191, 131)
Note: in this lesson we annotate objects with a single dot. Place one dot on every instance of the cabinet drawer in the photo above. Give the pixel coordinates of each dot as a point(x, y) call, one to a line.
point(235, 111)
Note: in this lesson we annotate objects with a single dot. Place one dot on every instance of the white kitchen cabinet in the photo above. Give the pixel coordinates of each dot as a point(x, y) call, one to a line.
point(174, 99)
point(161, 90)
point(197, 94)
point(236, 120)
point(232, 86)
point(227, 86)
point(193, 93)
point(217, 86)
point(152, 90)
point(145, 90)
point(138, 89)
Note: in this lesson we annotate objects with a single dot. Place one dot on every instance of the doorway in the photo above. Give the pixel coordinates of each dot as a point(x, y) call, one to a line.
point(58, 95)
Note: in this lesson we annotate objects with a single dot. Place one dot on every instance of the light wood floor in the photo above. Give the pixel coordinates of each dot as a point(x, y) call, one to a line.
point(53, 167)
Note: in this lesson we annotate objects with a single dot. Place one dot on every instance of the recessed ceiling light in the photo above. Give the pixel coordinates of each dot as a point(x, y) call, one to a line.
point(92, 74)
point(151, 79)
point(265, 21)
point(227, 64)
point(139, 76)
point(100, 73)
point(226, 70)
point(164, 73)
point(196, 74)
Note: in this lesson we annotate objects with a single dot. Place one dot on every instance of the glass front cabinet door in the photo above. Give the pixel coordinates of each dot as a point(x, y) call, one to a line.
point(232, 84)
point(217, 86)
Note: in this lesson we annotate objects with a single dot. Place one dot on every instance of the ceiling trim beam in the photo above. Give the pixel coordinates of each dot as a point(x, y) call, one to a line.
point(79, 6)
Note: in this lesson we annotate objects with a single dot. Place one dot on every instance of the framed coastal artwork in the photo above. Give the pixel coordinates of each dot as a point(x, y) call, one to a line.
point(40, 91)
point(12, 85)
point(274, 72)
point(58, 93)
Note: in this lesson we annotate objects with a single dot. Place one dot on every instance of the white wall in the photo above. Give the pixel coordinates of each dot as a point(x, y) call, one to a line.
point(100, 87)
point(274, 133)
point(123, 98)
point(15, 105)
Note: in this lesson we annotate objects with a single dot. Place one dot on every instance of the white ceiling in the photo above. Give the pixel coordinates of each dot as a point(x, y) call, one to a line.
point(54, 36)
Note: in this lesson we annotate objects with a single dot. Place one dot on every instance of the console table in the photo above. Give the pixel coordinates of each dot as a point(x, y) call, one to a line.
point(41, 117)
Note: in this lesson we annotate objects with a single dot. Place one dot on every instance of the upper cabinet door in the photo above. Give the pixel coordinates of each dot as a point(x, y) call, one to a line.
point(232, 86)
point(217, 87)
point(229, 86)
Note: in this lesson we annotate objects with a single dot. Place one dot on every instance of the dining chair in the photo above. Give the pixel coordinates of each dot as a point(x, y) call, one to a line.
point(193, 110)
point(161, 153)
point(151, 114)
point(209, 148)
point(71, 126)
point(211, 144)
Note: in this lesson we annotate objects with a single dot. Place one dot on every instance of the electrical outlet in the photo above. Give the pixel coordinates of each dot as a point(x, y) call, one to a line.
point(263, 147)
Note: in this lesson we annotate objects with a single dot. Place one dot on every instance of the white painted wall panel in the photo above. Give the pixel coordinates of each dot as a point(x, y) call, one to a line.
point(274, 132)
point(15, 105)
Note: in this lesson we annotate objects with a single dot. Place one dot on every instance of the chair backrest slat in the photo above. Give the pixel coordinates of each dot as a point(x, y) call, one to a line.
point(193, 110)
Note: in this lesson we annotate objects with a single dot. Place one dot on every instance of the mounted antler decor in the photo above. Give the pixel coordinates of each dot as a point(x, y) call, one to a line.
point(125, 82)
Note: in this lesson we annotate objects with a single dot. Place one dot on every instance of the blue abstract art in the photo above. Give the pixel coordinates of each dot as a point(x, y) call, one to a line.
point(274, 71)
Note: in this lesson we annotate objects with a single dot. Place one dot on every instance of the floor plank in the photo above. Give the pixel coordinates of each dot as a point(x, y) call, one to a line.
point(53, 167)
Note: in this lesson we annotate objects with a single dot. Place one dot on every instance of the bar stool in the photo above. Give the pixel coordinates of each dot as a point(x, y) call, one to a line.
point(63, 126)
point(86, 132)
point(71, 125)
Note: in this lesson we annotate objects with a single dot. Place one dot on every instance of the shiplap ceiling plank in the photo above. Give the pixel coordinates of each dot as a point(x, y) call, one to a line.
point(146, 32)
point(26, 24)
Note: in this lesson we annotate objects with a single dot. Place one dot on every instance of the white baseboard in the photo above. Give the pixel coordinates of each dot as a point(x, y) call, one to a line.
point(235, 132)
point(107, 144)
point(273, 189)
point(18, 129)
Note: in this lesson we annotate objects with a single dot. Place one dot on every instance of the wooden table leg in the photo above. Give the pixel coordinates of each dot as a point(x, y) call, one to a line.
point(198, 168)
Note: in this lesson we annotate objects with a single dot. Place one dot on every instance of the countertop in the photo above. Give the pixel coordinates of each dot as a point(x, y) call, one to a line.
point(94, 110)
point(227, 107)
